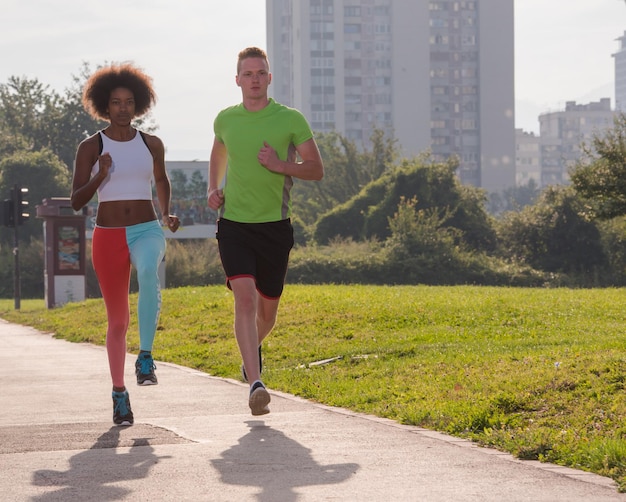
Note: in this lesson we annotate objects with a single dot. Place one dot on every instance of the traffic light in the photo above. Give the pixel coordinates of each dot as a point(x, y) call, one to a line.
point(21, 205)
point(8, 213)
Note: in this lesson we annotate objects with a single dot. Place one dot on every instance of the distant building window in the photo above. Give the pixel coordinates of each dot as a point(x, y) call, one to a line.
point(439, 40)
point(438, 5)
point(468, 124)
point(439, 73)
point(351, 28)
point(352, 11)
point(468, 40)
point(439, 23)
point(383, 99)
point(322, 27)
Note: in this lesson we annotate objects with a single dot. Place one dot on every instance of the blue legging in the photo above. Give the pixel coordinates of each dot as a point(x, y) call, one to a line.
point(113, 251)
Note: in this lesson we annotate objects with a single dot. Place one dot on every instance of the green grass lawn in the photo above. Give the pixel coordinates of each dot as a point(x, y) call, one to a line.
point(539, 373)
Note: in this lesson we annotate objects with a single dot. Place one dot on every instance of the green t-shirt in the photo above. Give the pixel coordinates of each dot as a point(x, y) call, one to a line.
point(253, 194)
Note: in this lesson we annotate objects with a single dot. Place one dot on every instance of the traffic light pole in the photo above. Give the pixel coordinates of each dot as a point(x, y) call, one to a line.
point(16, 249)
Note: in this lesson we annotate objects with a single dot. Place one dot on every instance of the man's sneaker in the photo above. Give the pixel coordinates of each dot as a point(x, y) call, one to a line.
point(259, 399)
point(244, 376)
point(122, 414)
point(144, 369)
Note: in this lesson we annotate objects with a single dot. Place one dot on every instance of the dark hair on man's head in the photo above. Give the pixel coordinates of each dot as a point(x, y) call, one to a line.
point(99, 86)
point(251, 52)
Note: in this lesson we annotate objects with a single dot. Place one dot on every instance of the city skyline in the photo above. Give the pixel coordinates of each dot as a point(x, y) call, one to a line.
point(563, 53)
point(437, 78)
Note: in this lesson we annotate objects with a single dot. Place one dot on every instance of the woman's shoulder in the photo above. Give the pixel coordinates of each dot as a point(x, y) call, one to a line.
point(93, 142)
point(152, 141)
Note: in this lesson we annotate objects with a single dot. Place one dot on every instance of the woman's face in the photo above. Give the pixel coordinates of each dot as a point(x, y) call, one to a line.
point(121, 107)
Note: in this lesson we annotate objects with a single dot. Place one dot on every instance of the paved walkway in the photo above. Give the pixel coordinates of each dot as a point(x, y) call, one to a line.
point(195, 440)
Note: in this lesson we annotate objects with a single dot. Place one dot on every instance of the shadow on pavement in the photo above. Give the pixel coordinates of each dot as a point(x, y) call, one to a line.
point(264, 456)
point(93, 472)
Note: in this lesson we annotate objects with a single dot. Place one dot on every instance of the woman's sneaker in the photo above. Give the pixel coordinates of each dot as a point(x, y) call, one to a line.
point(259, 399)
point(122, 414)
point(144, 369)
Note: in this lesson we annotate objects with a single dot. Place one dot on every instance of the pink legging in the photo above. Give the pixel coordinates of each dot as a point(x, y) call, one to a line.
point(113, 250)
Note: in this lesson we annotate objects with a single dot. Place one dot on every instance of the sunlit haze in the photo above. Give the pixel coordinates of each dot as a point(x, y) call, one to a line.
point(563, 53)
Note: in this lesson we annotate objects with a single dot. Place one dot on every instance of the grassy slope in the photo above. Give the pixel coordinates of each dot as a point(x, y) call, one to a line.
point(536, 372)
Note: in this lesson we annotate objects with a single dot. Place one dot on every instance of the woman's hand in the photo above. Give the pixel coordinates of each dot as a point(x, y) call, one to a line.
point(171, 221)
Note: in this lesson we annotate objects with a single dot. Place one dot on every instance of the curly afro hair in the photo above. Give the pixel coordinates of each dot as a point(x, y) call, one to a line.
point(108, 78)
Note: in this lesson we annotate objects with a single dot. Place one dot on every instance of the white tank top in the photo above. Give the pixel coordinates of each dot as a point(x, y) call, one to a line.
point(130, 176)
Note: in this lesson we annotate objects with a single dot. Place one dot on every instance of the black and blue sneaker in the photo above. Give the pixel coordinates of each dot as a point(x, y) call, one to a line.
point(122, 414)
point(144, 369)
point(244, 376)
point(259, 399)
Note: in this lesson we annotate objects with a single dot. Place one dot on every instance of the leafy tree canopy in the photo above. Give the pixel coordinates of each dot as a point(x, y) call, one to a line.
point(431, 185)
point(553, 235)
point(43, 174)
point(600, 176)
point(34, 117)
point(347, 171)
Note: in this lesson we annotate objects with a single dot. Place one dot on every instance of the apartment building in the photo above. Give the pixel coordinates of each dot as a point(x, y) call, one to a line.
point(527, 158)
point(563, 132)
point(438, 75)
point(620, 75)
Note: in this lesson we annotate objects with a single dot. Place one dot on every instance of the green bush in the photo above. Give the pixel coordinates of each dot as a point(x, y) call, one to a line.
point(192, 263)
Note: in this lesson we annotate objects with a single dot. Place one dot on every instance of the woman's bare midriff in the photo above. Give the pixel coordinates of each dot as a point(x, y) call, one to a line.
point(123, 213)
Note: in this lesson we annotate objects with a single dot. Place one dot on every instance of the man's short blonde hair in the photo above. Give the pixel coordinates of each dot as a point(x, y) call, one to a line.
point(251, 52)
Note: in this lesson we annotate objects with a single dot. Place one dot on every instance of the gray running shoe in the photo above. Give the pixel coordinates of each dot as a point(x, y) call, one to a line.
point(259, 399)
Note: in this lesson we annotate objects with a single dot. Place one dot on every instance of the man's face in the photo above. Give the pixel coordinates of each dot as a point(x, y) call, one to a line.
point(254, 77)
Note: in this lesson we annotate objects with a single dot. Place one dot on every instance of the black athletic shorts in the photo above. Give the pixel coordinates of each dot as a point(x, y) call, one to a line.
point(258, 250)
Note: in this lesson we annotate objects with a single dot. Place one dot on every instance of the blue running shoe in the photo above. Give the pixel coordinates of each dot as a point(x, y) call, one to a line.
point(144, 369)
point(122, 414)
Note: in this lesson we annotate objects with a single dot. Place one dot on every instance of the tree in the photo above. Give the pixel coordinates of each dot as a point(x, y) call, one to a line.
point(43, 174)
point(178, 180)
point(197, 186)
point(513, 198)
point(600, 176)
point(434, 186)
point(347, 171)
point(34, 117)
point(553, 235)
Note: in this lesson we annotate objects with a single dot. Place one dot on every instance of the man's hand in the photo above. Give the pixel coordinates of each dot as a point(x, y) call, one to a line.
point(268, 158)
point(216, 198)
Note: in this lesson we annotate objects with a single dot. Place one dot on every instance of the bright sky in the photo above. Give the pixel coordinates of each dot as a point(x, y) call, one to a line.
point(563, 53)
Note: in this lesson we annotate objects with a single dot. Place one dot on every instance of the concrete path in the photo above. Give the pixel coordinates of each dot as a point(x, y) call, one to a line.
point(195, 440)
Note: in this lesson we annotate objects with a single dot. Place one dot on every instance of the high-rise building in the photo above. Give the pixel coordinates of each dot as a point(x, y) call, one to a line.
point(620, 75)
point(563, 132)
point(438, 75)
point(527, 158)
